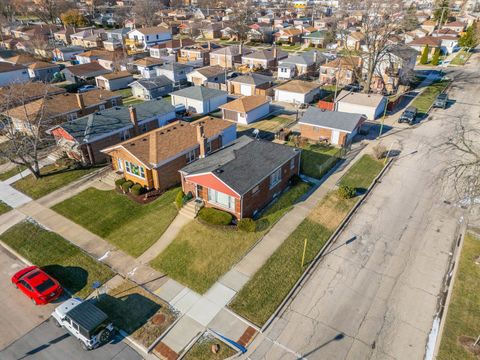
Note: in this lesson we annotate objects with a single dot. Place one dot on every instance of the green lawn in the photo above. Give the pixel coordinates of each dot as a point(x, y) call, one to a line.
point(53, 178)
point(264, 292)
point(121, 221)
point(424, 101)
point(202, 350)
point(201, 253)
point(291, 47)
point(317, 160)
point(12, 172)
point(124, 93)
point(362, 173)
point(269, 124)
point(127, 97)
point(461, 58)
point(462, 324)
point(4, 208)
point(74, 269)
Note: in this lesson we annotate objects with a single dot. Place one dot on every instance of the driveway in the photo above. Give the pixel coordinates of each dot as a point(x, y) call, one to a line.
point(18, 315)
point(48, 342)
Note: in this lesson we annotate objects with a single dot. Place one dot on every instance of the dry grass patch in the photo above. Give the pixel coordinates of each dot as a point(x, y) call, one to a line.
point(331, 210)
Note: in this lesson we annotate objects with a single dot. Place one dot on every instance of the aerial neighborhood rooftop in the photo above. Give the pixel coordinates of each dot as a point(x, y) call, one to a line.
point(253, 179)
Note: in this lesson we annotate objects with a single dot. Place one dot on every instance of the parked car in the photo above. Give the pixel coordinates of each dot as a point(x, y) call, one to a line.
point(37, 285)
point(353, 87)
point(84, 321)
point(441, 101)
point(86, 88)
point(408, 115)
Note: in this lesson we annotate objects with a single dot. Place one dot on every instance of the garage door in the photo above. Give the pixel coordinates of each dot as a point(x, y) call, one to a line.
point(246, 90)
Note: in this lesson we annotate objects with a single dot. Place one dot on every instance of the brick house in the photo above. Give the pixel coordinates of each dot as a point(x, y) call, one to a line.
point(342, 70)
point(154, 158)
point(246, 109)
point(264, 59)
point(228, 56)
point(207, 74)
point(242, 178)
point(334, 127)
point(84, 138)
point(84, 72)
point(250, 84)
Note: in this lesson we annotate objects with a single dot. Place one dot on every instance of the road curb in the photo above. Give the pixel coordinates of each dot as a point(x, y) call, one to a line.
point(15, 253)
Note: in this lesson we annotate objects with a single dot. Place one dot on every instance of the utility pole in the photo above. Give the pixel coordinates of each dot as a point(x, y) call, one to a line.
point(441, 17)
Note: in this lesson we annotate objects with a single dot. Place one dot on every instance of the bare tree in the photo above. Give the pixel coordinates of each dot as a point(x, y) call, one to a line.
point(241, 19)
point(49, 10)
point(146, 11)
point(24, 144)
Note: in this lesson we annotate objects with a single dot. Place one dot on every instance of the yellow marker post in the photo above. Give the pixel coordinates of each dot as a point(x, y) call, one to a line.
point(304, 251)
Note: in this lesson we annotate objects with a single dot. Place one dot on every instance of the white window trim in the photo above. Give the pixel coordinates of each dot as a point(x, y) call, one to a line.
point(213, 202)
point(129, 171)
point(276, 173)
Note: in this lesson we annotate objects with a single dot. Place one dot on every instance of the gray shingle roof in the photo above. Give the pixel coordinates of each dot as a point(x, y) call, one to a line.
point(199, 93)
point(174, 66)
point(153, 83)
point(89, 127)
point(331, 119)
point(252, 79)
point(303, 59)
point(244, 163)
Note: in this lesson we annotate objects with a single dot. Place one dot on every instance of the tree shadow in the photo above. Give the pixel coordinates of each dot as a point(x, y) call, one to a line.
point(73, 278)
point(338, 337)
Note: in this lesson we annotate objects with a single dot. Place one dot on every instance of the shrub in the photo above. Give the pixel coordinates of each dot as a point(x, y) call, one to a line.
point(295, 180)
point(346, 192)
point(379, 151)
point(120, 182)
point(179, 200)
point(436, 57)
point(126, 186)
point(215, 217)
point(424, 57)
point(247, 225)
point(137, 189)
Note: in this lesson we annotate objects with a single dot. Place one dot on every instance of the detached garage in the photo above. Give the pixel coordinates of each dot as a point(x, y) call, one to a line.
point(114, 81)
point(371, 105)
point(246, 109)
point(199, 99)
point(334, 127)
point(297, 92)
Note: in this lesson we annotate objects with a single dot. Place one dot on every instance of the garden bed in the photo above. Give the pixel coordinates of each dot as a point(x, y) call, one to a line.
point(202, 349)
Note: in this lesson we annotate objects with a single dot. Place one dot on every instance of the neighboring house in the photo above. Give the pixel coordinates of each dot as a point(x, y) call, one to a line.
point(210, 31)
point(448, 44)
point(169, 48)
point(456, 26)
point(302, 64)
point(84, 72)
point(246, 109)
point(114, 81)
point(250, 84)
point(290, 35)
point(144, 38)
point(370, 105)
point(353, 40)
point(68, 53)
point(262, 34)
point(342, 70)
point(316, 38)
point(334, 127)
point(242, 178)
point(154, 158)
point(297, 92)
point(228, 56)
point(89, 38)
point(147, 66)
point(84, 138)
point(12, 73)
point(175, 71)
point(207, 74)
point(20, 93)
point(115, 39)
point(433, 43)
point(199, 99)
point(43, 71)
point(198, 54)
point(21, 59)
point(57, 109)
point(148, 89)
point(264, 59)
point(429, 26)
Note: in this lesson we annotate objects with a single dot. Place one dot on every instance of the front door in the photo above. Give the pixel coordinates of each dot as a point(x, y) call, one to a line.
point(198, 191)
point(335, 137)
point(119, 165)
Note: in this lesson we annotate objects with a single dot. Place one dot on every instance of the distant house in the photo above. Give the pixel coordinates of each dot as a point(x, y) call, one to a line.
point(264, 59)
point(89, 38)
point(199, 99)
point(20, 93)
point(147, 66)
point(290, 35)
point(228, 56)
point(115, 39)
point(153, 88)
point(429, 26)
point(154, 158)
point(175, 71)
point(168, 48)
point(11, 73)
point(84, 138)
point(144, 38)
point(334, 127)
point(84, 72)
point(197, 54)
point(250, 84)
point(316, 38)
point(297, 92)
point(207, 74)
point(342, 70)
point(67, 53)
point(43, 71)
point(433, 43)
point(114, 81)
point(305, 63)
point(457, 26)
point(242, 178)
point(370, 105)
point(246, 109)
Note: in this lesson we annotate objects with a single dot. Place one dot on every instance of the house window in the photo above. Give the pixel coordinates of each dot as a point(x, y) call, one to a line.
point(114, 102)
point(147, 37)
point(255, 190)
point(191, 156)
point(134, 169)
point(275, 178)
point(223, 200)
point(292, 164)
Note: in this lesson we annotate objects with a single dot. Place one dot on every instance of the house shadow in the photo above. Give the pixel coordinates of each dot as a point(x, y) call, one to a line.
point(371, 131)
point(73, 278)
point(262, 134)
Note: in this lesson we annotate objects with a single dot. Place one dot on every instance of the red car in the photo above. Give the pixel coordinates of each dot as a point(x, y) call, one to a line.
point(37, 285)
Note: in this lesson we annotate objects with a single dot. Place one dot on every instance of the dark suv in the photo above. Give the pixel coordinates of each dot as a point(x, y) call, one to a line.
point(441, 101)
point(408, 115)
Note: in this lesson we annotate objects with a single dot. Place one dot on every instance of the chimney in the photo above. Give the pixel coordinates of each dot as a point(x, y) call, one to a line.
point(202, 140)
point(181, 43)
point(80, 102)
point(209, 45)
point(240, 48)
point(133, 119)
point(315, 57)
point(275, 52)
point(177, 55)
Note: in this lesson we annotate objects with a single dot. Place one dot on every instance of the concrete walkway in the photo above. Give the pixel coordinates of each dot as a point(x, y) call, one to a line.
point(26, 172)
point(11, 196)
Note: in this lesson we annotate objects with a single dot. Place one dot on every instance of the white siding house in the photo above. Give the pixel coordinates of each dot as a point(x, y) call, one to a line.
point(11, 73)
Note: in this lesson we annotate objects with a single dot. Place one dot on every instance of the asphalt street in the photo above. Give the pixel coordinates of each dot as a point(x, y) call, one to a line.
point(376, 297)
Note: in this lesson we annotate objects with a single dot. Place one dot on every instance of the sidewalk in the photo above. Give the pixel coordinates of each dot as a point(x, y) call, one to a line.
point(11, 196)
point(27, 172)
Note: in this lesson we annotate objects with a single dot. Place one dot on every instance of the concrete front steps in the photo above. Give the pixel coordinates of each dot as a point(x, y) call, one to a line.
point(189, 210)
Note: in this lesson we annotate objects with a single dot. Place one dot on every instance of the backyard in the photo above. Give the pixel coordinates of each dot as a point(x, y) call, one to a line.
point(137, 312)
point(264, 292)
point(268, 126)
point(74, 269)
point(53, 178)
point(130, 226)
point(462, 324)
point(127, 97)
point(201, 253)
point(424, 101)
point(317, 160)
